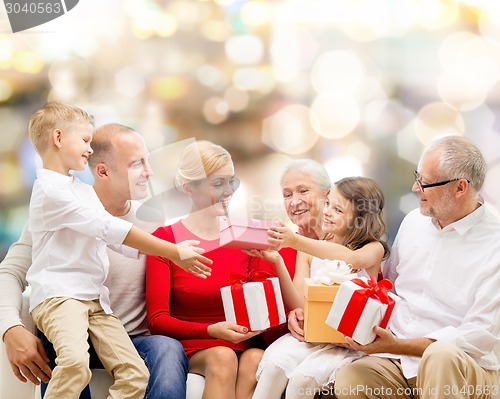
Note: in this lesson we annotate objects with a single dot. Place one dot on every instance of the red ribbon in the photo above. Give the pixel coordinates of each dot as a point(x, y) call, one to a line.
point(237, 280)
point(254, 276)
point(354, 309)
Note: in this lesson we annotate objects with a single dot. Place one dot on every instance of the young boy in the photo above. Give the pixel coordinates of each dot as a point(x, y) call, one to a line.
point(70, 231)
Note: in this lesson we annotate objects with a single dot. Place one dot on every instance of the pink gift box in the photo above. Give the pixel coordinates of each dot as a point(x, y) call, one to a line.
point(256, 305)
point(245, 233)
point(360, 305)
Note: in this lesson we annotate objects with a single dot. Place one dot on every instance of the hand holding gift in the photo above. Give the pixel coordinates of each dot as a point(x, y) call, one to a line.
point(245, 233)
point(281, 236)
point(360, 305)
point(253, 301)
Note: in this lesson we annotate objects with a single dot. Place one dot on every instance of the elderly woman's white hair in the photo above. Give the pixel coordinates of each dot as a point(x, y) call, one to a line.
point(312, 168)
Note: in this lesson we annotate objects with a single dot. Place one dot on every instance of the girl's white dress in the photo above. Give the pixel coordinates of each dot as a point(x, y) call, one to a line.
point(320, 361)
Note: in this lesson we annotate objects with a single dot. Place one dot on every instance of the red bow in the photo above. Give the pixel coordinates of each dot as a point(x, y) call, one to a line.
point(373, 288)
point(356, 305)
point(254, 276)
point(236, 281)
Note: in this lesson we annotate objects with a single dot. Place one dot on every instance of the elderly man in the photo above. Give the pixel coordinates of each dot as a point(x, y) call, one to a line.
point(121, 171)
point(444, 337)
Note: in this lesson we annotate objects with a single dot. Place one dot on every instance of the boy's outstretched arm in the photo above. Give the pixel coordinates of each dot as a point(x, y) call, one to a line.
point(184, 254)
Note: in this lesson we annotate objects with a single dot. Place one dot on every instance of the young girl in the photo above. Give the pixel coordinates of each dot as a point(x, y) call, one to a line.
point(354, 228)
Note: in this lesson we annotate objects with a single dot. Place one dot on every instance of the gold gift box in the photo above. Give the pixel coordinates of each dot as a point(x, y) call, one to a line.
point(318, 299)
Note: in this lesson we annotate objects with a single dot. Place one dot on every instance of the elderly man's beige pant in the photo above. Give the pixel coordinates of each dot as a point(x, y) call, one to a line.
point(445, 372)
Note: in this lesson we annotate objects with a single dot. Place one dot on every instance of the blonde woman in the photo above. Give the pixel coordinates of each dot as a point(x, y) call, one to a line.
point(189, 310)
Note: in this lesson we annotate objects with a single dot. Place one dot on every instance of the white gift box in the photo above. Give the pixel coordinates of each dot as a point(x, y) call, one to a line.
point(256, 305)
point(356, 310)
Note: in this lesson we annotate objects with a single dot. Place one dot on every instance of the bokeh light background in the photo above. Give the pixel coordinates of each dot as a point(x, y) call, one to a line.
point(359, 85)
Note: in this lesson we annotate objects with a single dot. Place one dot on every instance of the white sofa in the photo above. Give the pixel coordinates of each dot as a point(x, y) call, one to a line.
point(12, 388)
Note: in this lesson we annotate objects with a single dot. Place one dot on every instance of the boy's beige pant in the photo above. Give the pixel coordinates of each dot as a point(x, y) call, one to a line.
point(67, 323)
point(445, 372)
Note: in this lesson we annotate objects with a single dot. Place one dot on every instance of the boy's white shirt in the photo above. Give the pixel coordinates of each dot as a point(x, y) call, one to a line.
point(126, 278)
point(70, 230)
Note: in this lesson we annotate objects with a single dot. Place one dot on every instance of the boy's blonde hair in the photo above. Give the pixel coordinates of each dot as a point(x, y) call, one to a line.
point(52, 116)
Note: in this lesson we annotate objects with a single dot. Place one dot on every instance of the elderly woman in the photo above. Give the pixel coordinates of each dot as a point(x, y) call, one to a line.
point(304, 184)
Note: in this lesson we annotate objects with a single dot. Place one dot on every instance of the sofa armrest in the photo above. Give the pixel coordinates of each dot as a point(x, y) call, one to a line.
point(10, 386)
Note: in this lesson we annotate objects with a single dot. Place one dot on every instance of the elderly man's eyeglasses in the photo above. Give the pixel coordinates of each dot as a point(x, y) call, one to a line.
point(423, 186)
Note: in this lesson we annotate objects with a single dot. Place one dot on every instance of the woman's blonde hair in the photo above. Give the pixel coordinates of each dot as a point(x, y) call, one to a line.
point(52, 116)
point(367, 199)
point(199, 160)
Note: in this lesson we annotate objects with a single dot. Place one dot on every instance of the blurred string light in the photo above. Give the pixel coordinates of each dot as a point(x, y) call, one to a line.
point(155, 131)
point(334, 116)
point(150, 19)
point(340, 167)
point(293, 49)
point(436, 120)
point(69, 78)
point(289, 130)
point(471, 67)
point(239, 201)
point(359, 150)
point(168, 87)
point(237, 100)
point(290, 31)
point(366, 20)
point(337, 71)
point(257, 13)
point(27, 62)
point(409, 147)
point(13, 128)
point(214, 30)
point(187, 14)
point(253, 78)
point(408, 202)
point(211, 76)
point(130, 81)
point(481, 122)
point(9, 176)
point(215, 110)
point(489, 20)
point(437, 14)
point(6, 51)
point(29, 161)
point(384, 117)
point(6, 90)
point(244, 49)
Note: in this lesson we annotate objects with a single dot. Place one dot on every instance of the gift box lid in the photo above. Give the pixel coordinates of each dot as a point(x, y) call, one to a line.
point(319, 292)
point(245, 233)
point(227, 222)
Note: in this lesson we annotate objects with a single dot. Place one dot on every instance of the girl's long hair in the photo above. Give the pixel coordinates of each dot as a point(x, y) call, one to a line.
point(368, 202)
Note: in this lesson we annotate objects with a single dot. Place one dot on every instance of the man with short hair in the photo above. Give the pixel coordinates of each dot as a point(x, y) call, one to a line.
point(444, 336)
point(121, 171)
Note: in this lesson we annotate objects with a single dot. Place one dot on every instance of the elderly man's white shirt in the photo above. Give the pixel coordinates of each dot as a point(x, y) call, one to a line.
point(448, 281)
point(70, 231)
